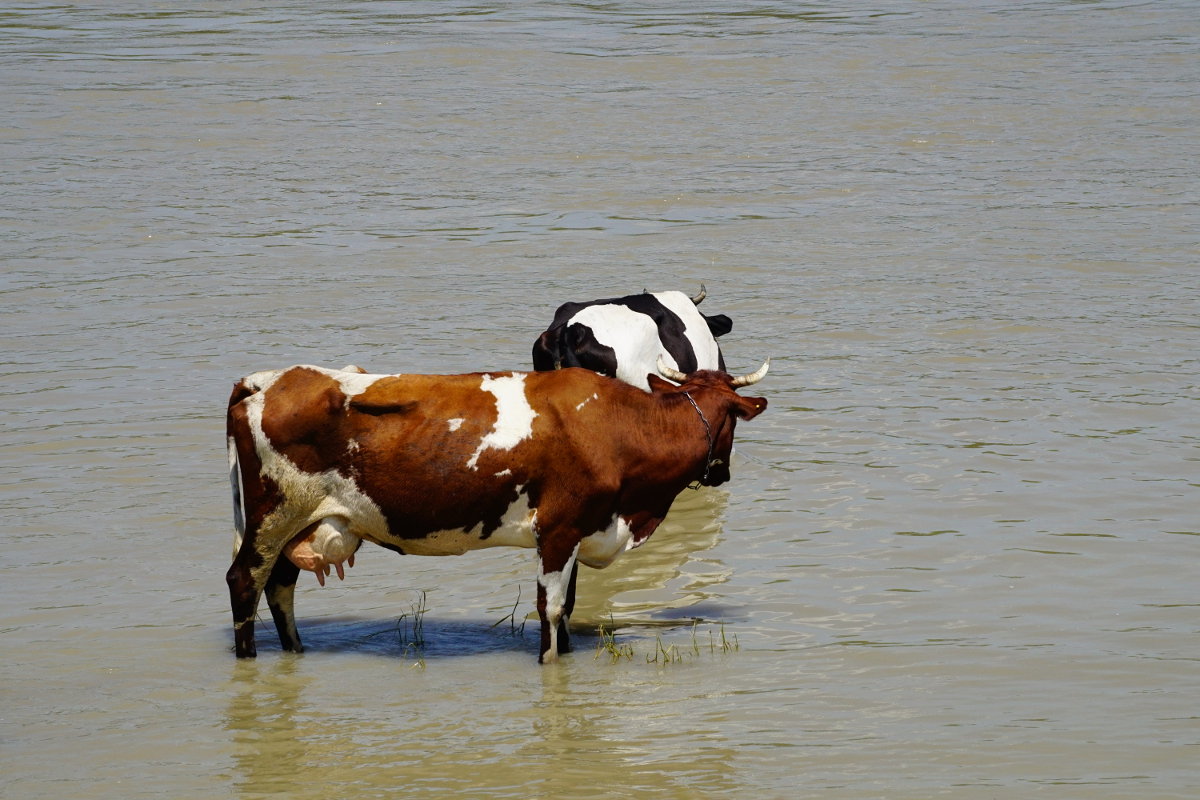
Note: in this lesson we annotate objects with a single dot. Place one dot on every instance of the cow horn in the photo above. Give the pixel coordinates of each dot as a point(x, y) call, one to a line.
point(698, 299)
point(753, 377)
point(670, 372)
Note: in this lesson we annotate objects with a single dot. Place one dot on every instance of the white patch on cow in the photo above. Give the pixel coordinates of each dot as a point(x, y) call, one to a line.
point(514, 415)
point(518, 528)
point(352, 383)
point(504, 473)
point(705, 347)
point(601, 548)
point(352, 446)
point(455, 424)
point(587, 400)
point(555, 584)
point(261, 381)
point(632, 336)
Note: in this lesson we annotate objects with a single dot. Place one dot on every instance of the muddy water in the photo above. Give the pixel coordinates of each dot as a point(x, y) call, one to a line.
point(957, 558)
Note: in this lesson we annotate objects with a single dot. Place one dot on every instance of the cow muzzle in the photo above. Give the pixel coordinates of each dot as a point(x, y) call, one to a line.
point(717, 473)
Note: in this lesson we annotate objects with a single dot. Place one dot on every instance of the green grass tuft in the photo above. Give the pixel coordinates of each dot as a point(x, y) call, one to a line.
point(665, 653)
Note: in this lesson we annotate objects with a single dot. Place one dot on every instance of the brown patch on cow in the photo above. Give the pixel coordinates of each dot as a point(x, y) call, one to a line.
point(300, 418)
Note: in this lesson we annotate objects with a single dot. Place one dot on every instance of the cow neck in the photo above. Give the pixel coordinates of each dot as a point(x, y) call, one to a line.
point(708, 461)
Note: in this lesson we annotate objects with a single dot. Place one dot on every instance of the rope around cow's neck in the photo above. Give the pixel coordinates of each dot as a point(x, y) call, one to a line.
point(708, 462)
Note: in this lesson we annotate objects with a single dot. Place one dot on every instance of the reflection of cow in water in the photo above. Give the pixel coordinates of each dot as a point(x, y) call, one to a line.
point(669, 575)
point(578, 465)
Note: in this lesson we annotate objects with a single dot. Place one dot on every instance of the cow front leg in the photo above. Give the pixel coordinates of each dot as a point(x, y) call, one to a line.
point(556, 585)
point(564, 635)
point(281, 594)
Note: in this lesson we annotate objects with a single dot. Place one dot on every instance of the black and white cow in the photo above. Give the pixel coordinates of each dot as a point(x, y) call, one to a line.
point(623, 337)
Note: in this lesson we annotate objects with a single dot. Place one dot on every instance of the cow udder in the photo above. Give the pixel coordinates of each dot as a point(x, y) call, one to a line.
point(323, 545)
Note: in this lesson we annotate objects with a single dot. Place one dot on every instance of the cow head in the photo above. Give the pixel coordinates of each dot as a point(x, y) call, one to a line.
point(713, 397)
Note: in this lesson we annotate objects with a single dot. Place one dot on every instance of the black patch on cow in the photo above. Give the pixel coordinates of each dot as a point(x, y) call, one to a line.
point(583, 350)
point(671, 330)
point(492, 522)
point(379, 409)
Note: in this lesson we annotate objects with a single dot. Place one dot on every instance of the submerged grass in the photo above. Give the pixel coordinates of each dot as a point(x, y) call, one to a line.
point(662, 652)
point(410, 629)
point(416, 642)
point(513, 628)
point(608, 644)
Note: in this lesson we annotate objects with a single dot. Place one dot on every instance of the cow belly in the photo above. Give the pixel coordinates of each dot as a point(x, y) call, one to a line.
point(602, 548)
point(516, 528)
point(457, 542)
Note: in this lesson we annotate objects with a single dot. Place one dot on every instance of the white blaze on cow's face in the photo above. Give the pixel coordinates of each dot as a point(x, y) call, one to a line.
point(514, 415)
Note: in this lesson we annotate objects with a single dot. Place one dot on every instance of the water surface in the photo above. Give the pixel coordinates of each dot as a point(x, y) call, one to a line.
point(957, 558)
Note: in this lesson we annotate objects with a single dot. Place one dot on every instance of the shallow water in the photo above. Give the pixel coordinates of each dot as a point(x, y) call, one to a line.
point(957, 555)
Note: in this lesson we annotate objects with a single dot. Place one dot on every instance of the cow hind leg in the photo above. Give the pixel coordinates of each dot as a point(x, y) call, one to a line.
point(243, 598)
point(556, 586)
point(281, 593)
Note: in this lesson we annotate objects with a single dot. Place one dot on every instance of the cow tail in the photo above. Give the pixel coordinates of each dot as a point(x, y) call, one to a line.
point(239, 503)
point(240, 392)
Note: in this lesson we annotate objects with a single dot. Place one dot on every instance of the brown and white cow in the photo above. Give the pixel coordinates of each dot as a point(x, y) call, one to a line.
point(577, 465)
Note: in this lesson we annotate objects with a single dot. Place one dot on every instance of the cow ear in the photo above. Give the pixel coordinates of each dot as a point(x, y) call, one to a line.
point(719, 324)
point(750, 407)
point(658, 384)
